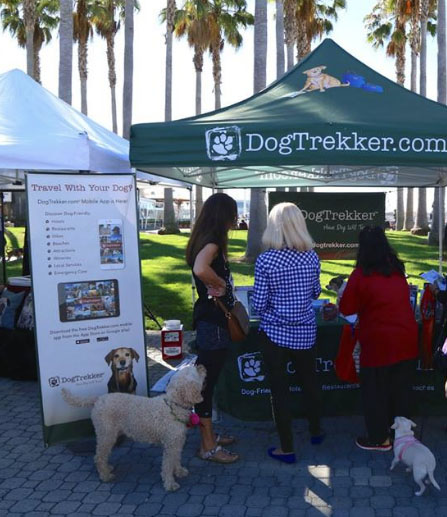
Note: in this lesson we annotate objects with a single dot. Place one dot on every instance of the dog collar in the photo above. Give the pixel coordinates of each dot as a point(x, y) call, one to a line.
point(190, 422)
point(404, 442)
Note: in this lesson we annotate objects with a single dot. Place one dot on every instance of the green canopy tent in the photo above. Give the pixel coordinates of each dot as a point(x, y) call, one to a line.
point(330, 121)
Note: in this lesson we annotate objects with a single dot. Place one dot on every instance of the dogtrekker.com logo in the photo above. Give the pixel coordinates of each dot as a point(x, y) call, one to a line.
point(57, 380)
point(227, 143)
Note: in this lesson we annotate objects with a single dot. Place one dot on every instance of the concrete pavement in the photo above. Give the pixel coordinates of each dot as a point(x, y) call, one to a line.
point(333, 479)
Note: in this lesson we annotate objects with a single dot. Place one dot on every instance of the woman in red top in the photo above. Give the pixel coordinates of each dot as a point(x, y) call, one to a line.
point(378, 292)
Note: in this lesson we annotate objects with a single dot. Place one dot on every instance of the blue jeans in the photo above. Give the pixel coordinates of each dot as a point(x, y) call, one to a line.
point(211, 337)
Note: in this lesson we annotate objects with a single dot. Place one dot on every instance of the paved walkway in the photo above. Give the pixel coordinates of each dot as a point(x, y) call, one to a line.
point(334, 479)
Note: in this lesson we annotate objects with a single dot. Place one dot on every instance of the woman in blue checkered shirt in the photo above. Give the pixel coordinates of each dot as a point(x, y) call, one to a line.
point(287, 279)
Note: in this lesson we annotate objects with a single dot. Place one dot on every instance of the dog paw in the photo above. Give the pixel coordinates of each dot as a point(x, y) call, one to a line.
point(171, 486)
point(106, 478)
point(181, 472)
point(222, 144)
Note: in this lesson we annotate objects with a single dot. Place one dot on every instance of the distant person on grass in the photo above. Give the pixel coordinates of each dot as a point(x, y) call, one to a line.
point(206, 254)
point(378, 292)
point(287, 279)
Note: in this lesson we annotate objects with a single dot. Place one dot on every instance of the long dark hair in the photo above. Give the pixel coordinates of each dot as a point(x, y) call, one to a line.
point(218, 215)
point(375, 253)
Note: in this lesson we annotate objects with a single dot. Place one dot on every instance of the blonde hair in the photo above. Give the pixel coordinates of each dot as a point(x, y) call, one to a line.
point(286, 228)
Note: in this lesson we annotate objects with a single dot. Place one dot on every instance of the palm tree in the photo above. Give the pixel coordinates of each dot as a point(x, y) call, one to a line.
point(107, 26)
point(290, 28)
point(280, 61)
point(65, 49)
point(129, 9)
point(258, 209)
point(82, 32)
point(438, 204)
point(427, 9)
point(169, 222)
point(225, 17)
point(45, 20)
point(313, 19)
point(387, 24)
point(29, 19)
point(191, 21)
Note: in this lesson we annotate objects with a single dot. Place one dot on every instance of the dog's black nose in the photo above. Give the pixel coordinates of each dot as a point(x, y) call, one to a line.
point(122, 362)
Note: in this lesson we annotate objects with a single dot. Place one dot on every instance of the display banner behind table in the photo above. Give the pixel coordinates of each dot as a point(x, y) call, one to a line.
point(335, 220)
point(87, 290)
point(243, 389)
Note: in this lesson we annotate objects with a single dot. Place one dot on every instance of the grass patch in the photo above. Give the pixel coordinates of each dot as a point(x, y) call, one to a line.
point(166, 279)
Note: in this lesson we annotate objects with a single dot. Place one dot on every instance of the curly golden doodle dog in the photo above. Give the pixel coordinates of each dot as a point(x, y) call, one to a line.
point(160, 420)
point(121, 362)
point(317, 80)
point(413, 453)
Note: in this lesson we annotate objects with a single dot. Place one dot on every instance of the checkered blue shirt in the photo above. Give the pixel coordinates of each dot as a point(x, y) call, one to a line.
point(286, 281)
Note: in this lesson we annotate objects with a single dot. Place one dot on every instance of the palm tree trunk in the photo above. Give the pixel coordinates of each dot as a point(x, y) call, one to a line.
point(36, 63)
point(110, 39)
point(258, 209)
point(65, 49)
point(279, 39)
point(302, 44)
point(409, 211)
point(170, 13)
point(198, 65)
point(170, 224)
point(433, 236)
point(83, 73)
point(217, 74)
point(29, 19)
point(128, 67)
point(421, 222)
point(289, 30)
point(400, 209)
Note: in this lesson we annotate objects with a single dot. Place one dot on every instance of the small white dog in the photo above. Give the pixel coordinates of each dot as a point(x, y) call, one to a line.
point(160, 420)
point(413, 453)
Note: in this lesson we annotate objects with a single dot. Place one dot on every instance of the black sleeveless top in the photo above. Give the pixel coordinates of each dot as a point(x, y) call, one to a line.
point(205, 309)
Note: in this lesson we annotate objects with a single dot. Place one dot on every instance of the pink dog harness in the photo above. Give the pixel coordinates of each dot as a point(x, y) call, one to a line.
point(405, 442)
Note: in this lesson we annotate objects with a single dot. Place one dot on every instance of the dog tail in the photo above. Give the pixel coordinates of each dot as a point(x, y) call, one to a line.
point(77, 401)
point(433, 480)
point(347, 83)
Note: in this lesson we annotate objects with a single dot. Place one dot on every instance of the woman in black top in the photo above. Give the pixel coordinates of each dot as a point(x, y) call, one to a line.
point(206, 253)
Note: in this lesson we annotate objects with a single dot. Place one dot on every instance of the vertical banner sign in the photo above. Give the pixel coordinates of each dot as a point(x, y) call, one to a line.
point(87, 290)
point(335, 219)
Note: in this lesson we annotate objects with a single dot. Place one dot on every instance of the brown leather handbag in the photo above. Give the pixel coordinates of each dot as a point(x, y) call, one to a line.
point(238, 320)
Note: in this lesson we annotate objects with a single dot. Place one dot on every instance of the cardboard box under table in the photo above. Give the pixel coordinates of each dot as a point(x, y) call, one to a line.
point(244, 393)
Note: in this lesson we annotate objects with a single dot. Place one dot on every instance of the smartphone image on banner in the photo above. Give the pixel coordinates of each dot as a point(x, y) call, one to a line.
point(88, 300)
point(111, 244)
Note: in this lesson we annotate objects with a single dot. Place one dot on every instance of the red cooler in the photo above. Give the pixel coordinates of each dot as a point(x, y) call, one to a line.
point(172, 340)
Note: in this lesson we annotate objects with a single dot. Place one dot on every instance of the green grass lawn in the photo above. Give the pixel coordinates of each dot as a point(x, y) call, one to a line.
point(166, 279)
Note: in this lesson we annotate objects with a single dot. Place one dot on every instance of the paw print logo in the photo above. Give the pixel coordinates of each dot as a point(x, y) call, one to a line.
point(223, 143)
point(250, 367)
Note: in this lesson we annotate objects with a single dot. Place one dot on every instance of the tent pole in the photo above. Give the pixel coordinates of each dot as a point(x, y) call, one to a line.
point(441, 229)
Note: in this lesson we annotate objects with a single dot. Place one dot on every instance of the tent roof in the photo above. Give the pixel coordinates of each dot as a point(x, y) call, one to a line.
point(39, 131)
point(360, 129)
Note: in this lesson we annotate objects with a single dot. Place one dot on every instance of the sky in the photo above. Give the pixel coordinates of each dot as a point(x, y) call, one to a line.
point(149, 65)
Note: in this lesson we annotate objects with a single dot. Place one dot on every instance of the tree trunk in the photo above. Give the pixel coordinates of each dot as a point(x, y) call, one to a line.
point(29, 20)
point(433, 236)
point(421, 222)
point(409, 211)
point(400, 209)
point(414, 71)
point(83, 73)
point(65, 50)
point(279, 39)
point(170, 224)
point(289, 30)
point(36, 63)
point(217, 74)
point(170, 13)
point(112, 77)
point(128, 67)
point(302, 43)
point(198, 65)
point(258, 208)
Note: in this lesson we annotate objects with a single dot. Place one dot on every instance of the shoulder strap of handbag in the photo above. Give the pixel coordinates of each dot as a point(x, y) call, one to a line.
point(222, 306)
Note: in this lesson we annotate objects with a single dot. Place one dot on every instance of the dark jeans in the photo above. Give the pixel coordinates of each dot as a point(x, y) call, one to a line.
point(386, 393)
point(212, 344)
point(303, 362)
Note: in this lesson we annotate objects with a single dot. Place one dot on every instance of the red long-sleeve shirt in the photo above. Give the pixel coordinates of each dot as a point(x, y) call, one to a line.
point(388, 331)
